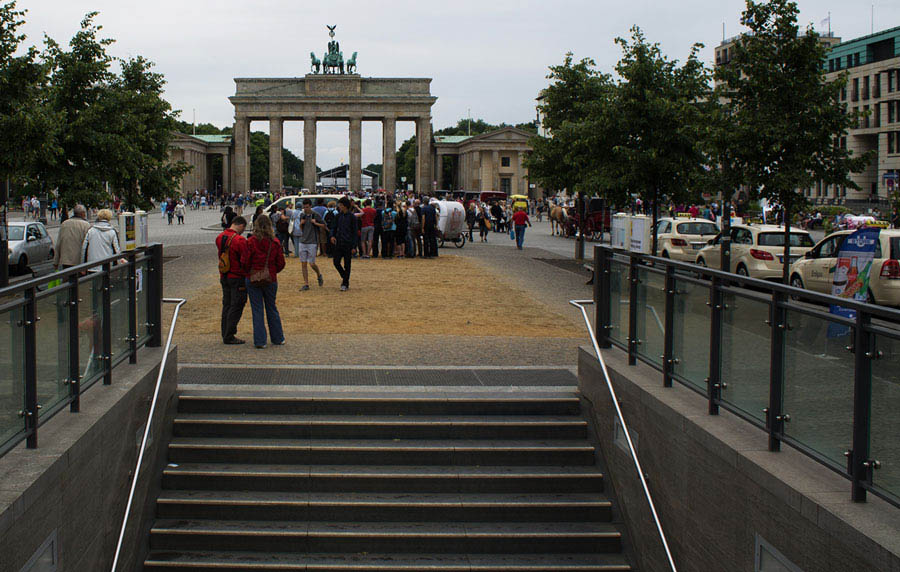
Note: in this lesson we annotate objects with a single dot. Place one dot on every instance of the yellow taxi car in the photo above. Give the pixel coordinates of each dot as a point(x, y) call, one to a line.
point(757, 250)
point(680, 238)
point(815, 271)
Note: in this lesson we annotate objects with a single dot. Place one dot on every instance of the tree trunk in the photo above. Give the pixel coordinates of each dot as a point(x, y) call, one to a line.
point(786, 219)
point(655, 207)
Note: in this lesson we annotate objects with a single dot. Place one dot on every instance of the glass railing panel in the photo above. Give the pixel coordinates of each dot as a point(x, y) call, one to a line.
point(90, 329)
point(619, 293)
point(12, 375)
point(818, 385)
point(52, 333)
point(690, 340)
point(119, 309)
point(651, 314)
point(745, 355)
point(885, 425)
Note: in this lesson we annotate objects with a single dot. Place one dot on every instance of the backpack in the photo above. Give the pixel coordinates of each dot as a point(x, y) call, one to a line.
point(329, 218)
point(225, 257)
point(282, 225)
point(387, 220)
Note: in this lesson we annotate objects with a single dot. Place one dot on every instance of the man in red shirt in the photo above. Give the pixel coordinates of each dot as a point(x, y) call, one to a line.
point(367, 224)
point(232, 247)
point(520, 219)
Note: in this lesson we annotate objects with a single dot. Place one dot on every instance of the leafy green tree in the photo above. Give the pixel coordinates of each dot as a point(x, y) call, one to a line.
point(406, 162)
point(788, 120)
point(662, 116)
point(144, 126)
point(79, 80)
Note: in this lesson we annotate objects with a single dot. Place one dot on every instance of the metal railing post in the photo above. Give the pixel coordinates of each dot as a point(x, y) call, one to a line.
point(669, 335)
point(775, 417)
point(74, 366)
point(602, 295)
point(132, 309)
point(29, 325)
point(714, 381)
point(154, 296)
point(861, 466)
point(632, 310)
point(106, 323)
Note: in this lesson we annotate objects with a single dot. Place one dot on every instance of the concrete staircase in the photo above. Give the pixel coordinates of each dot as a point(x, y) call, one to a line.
point(388, 482)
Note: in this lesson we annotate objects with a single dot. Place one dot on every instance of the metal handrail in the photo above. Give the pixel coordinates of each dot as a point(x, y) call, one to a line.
point(580, 304)
point(137, 469)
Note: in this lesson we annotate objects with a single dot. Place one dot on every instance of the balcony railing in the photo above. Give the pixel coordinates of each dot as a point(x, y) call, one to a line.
point(63, 332)
point(768, 353)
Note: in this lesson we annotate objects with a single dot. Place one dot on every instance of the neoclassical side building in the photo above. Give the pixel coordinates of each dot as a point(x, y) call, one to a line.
point(492, 161)
point(198, 151)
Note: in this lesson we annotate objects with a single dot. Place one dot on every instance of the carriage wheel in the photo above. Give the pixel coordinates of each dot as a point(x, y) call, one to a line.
point(440, 243)
point(461, 241)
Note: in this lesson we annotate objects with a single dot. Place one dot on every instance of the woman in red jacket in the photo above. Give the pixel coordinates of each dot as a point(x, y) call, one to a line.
point(263, 260)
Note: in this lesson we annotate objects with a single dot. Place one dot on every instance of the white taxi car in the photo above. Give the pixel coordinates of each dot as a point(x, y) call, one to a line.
point(816, 270)
point(757, 250)
point(681, 238)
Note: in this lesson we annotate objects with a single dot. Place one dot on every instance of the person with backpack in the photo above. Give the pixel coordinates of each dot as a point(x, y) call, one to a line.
point(343, 239)
point(282, 229)
point(227, 216)
point(329, 217)
point(388, 226)
point(414, 225)
point(232, 248)
point(264, 259)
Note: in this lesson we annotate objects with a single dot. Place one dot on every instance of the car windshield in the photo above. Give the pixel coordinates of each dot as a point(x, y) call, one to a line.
point(700, 228)
point(777, 239)
point(16, 232)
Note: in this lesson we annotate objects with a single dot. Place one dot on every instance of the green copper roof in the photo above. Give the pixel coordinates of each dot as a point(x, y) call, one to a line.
point(865, 49)
point(213, 138)
point(450, 138)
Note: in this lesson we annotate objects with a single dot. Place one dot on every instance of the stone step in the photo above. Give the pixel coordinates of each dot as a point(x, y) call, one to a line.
point(377, 478)
point(336, 403)
point(181, 561)
point(380, 426)
point(379, 537)
point(384, 452)
point(383, 507)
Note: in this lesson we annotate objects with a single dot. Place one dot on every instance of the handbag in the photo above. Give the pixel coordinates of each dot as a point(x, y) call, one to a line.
point(262, 278)
point(512, 232)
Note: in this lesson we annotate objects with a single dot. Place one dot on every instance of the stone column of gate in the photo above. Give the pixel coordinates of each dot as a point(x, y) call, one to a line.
point(309, 154)
point(241, 156)
point(439, 173)
point(226, 173)
point(389, 154)
point(423, 157)
point(355, 154)
point(276, 165)
point(495, 171)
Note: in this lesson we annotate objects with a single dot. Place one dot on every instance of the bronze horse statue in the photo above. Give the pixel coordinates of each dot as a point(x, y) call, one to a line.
point(316, 63)
point(351, 64)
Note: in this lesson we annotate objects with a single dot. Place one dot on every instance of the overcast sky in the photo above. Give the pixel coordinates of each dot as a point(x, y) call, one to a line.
point(490, 56)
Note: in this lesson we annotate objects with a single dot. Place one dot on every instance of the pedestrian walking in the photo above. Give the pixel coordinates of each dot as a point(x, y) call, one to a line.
point(232, 249)
point(343, 239)
point(367, 232)
point(71, 238)
point(415, 230)
point(401, 224)
point(484, 223)
point(282, 223)
point(388, 227)
point(429, 229)
point(264, 259)
point(101, 241)
point(470, 219)
point(520, 219)
point(227, 217)
point(306, 226)
point(179, 212)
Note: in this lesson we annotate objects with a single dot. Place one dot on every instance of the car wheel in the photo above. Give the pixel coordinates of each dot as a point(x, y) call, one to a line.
point(440, 243)
point(742, 271)
point(22, 265)
point(701, 262)
point(665, 254)
point(796, 281)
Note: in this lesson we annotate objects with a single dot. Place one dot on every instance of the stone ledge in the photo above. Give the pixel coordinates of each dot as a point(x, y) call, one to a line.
point(725, 462)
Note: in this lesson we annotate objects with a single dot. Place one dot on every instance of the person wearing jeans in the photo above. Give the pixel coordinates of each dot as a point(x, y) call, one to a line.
point(264, 252)
point(520, 219)
point(343, 239)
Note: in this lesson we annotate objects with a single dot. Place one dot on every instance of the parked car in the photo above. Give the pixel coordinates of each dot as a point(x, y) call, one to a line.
point(757, 251)
point(29, 243)
point(815, 271)
point(682, 237)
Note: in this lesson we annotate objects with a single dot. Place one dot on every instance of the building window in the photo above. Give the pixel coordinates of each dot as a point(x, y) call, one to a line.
point(890, 137)
point(891, 105)
point(843, 142)
point(504, 161)
point(892, 77)
point(854, 93)
point(876, 86)
point(866, 118)
point(505, 185)
point(866, 87)
point(830, 65)
point(856, 59)
point(844, 93)
point(877, 115)
point(850, 61)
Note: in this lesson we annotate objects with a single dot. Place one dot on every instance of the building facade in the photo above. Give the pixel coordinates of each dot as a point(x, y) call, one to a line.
point(492, 161)
point(198, 151)
point(872, 65)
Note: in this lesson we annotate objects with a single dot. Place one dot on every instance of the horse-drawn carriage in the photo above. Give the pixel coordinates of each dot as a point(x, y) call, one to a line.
point(597, 219)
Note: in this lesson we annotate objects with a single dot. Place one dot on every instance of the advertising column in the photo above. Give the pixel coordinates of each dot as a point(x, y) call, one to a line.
point(851, 274)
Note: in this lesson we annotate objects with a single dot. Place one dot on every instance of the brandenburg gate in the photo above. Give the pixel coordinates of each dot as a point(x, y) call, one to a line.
point(333, 96)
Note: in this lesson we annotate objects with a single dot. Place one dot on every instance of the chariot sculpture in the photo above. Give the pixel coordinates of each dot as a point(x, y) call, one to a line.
point(332, 61)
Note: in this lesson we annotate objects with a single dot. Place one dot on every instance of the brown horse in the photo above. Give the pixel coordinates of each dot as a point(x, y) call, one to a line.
point(558, 218)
